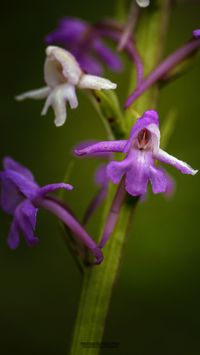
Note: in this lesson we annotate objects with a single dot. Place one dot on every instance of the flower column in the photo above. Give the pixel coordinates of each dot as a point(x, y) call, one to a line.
point(98, 281)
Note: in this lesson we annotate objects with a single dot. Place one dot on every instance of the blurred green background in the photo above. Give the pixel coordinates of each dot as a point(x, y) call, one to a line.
point(156, 303)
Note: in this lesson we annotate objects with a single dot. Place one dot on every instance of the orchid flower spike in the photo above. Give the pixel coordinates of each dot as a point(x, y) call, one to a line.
point(62, 75)
point(21, 196)
point(142, 149)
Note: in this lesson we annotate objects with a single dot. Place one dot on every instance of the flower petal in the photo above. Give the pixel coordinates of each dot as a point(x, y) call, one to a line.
point(88, 63)
point(59, 61)
point(24, 221)
point(69, 30)
point(37, 94)
point(53, 187)
point(143, 3)
point(158, 180)
point(137, 176)
point(107, 55)
point(102, 147)
point(166, 158)
point(88, 143)
point(58, 104)
point(196, 33)
point(9, 163)
point(95, 83)
point(57, 99)
point(25, 216)
point(69, 94)
point(10, 195)
point(25, 186)
point(116, 170)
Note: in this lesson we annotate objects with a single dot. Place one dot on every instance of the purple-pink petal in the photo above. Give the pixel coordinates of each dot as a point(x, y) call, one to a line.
point(158, 180)
point(27, 187)
point(166, 158)
point(25, 216)
point(24, 222)
point(10, 196)
point(88, 63)
point(69, 31)
point(102, 147)
point(9, 163)
point(137, 176)
point(88, 143)
point(116, 170)
point(196, 33)
point(109, 58)
point(43, 191)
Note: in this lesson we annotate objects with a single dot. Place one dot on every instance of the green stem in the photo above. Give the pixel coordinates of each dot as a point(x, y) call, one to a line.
point(98, 281)
point(97, 289)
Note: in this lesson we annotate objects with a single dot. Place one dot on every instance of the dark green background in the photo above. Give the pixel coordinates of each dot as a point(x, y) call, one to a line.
point(156, 303)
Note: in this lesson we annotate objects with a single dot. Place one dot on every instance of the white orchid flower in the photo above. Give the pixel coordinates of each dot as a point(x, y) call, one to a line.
point(62, 74)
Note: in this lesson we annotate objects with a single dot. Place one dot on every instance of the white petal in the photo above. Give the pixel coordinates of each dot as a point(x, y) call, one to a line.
point(34, 94)
point(70, 95)
point(58, 103)
point(60, 113)
point(57, 100)
point(95, 83)
point(155, 139)
point(143, 3)
point(47, 104)
point(61, 66)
